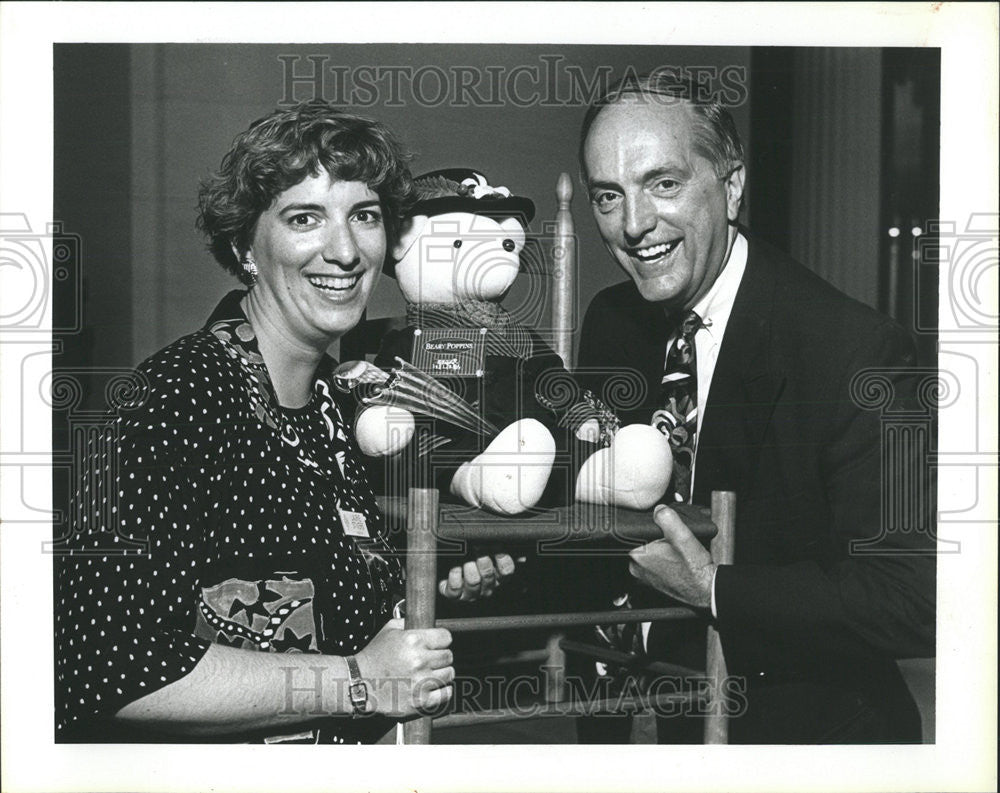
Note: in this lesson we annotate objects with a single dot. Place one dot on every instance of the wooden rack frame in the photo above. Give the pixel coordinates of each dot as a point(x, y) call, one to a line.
point(426, 522)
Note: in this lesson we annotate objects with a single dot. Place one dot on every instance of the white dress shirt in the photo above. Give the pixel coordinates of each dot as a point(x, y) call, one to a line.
point(714, 309)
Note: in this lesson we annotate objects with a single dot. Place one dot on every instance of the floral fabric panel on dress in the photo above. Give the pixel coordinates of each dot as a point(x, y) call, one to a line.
point(275, 615)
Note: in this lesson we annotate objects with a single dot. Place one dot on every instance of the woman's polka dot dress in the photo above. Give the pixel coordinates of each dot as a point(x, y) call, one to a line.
point(213, 515)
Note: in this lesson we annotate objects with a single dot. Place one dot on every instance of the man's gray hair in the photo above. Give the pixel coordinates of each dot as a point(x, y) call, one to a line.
point(716, 137)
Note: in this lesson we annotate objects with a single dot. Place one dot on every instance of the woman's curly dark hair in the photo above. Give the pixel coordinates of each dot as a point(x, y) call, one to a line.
point(280, 150)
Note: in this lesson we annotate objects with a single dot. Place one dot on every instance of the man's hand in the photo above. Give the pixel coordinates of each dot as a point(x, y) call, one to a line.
point(678, 565)
point(478, 579)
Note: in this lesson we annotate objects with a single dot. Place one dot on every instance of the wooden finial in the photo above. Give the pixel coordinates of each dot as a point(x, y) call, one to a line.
point(564, 190)
point(564, 273)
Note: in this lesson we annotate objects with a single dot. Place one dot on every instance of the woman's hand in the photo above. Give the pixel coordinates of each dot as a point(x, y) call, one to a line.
point(478, 579)
point(407, 670)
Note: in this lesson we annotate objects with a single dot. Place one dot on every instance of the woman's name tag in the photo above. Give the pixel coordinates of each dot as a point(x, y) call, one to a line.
point(354, 523)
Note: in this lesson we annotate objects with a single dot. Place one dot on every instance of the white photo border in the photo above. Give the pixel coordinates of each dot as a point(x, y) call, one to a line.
point(963, 757)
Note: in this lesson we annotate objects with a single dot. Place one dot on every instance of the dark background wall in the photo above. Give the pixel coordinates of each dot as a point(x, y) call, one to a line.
point(186, 102)
point(92, 199)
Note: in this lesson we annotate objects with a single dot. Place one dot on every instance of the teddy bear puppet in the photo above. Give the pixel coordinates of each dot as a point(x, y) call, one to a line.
point(499, 423)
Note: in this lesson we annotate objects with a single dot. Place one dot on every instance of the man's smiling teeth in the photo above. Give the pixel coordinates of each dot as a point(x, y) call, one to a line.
point(339, 283)
point(654, 251)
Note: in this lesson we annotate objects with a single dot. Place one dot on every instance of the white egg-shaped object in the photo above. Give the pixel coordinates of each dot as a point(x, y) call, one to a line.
point(510, 475)
point(383, 430)
point(633, 472)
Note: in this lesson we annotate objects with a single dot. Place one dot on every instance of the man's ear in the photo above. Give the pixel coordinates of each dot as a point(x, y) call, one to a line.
point(734, 192)
point(409, 230)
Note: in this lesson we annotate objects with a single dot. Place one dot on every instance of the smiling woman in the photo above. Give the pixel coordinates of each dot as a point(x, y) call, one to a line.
point(239, 584)
point(300, 210)
point(317, 251)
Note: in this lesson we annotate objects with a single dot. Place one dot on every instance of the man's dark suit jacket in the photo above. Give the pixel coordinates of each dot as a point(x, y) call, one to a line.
point(814, 627)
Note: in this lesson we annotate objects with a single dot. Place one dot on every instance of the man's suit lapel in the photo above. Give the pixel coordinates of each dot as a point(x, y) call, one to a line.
point(745, 386)
point(646, 330)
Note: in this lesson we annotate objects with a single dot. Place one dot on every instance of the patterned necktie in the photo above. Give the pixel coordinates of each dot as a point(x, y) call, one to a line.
point(678, 418)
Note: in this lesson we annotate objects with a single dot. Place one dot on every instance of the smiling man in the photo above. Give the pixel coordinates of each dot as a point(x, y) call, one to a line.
point(748, 360)
point(665, 211)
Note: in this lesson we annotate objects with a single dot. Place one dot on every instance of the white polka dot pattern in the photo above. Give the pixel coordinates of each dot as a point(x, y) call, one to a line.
point(220, 483)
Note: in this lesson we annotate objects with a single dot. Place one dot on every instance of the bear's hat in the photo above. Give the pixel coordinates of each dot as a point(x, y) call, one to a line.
point(466, 190)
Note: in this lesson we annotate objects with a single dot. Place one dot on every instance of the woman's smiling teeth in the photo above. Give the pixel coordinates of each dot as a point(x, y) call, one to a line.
point(334, 283)
point(654, 252)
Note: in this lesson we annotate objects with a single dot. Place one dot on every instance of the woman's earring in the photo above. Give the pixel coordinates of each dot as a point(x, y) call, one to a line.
point(249, 266)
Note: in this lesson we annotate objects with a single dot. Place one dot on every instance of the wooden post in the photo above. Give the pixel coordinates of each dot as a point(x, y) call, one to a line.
point(421, 584)
point(564, 273)
point(723, 551)
point(555, 669)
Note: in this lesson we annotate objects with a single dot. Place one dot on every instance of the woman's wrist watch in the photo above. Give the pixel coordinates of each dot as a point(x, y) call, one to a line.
point(358, 688)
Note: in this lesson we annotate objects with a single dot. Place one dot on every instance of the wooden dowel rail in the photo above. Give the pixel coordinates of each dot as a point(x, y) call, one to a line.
point(516, 621)
point(567, 708)
point(580, 522)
